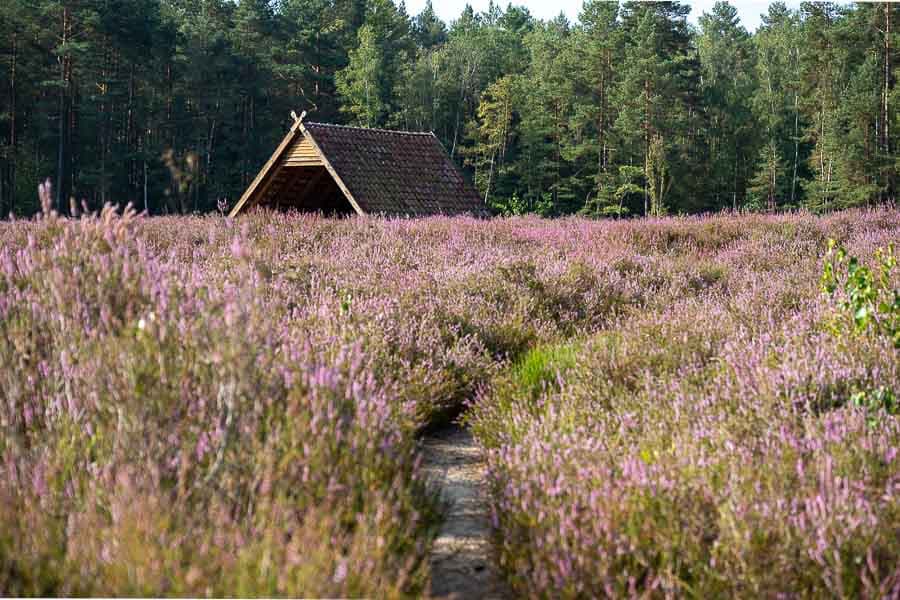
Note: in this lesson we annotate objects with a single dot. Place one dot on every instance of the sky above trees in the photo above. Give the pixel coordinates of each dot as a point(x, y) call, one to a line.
point(749, 11)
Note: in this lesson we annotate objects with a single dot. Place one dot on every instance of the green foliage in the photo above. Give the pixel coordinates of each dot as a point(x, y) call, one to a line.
point(615, 191)
point(360, 83)
point(493, 132)
point(548, 116)
point(877, 402)
point(729, 82)
point(541, 369)
point(520, 387)
point(659, 180)
point(864, 293)
point(766, 188)
point(509, 207)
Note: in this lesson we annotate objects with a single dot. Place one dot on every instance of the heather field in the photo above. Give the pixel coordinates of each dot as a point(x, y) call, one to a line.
point(679, 407)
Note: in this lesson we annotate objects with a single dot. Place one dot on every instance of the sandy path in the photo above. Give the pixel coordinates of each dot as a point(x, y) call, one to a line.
point(461, 565)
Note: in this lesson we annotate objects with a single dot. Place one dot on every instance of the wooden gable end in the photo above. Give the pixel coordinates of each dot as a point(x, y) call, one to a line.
point(302, 154)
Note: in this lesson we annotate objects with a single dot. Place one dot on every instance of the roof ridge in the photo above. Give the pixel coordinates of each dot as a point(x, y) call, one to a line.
point(375, 129)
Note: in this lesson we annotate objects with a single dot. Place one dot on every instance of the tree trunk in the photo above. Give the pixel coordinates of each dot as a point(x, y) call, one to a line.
point(885, 114)
point(433, 94)
point(646, 141)
point(244, 139)
point(63, 112)
point(467, 75)
point(13, 140)
point(772, 184)
point(601, 124)
point(487, 190)
point(146, 210)
point(734, 184)
point(210, 146)
point(317, 68)
point(252, 136)
point(456, 131)
point(796, 146)
point(105, 120)
point(888, 186)
point(558, 135)
point(169, 102)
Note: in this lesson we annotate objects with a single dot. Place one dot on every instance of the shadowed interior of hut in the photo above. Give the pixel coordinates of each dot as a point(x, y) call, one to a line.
point(308, 189)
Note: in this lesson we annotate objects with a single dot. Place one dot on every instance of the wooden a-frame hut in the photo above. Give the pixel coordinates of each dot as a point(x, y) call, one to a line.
point(338, 170)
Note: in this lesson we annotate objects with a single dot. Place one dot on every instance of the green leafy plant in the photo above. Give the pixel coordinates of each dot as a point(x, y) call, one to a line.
point(865, 293)
point(876, 402)
point(509, 207)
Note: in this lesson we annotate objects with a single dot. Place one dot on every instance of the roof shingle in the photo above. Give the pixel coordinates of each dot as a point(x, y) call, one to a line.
point(395, 173)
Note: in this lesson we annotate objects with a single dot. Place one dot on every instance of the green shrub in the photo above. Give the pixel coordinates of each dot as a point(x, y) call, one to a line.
point(863, 293)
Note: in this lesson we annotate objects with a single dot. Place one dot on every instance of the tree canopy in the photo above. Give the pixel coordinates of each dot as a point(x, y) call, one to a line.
point(173, 105)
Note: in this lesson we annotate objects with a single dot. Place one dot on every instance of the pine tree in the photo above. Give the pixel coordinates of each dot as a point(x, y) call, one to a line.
point(597, 49)
point(546, 113)
point(766, 187)
point(428, 30)
point(860, 169)
point(824, 73)
point(658, 93)
point(310, 54)
point(728, 85)
point(776, 101)
point(254, 28)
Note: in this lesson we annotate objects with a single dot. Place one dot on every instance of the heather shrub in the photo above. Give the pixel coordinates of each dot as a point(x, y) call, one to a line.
point(519, 389)
point(197, 406)
point(203, 406)
point(165, 433)
point(725, 441)
point(664, 478)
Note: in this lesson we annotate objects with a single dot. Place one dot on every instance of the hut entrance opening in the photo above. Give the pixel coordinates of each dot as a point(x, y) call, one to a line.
point(302, 183)
point(308, 189)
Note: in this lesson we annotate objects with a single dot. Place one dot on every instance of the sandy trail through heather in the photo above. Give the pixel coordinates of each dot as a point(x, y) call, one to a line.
point(461, 565)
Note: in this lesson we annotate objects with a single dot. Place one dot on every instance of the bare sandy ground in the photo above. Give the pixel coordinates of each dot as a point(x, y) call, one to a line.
point(461, 565)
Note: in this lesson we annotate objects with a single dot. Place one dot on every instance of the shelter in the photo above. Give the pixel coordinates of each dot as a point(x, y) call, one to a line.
point(339, 170)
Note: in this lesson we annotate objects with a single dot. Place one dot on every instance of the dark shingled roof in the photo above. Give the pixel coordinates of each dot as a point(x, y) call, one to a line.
point(395, 172)
point(379, 172)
